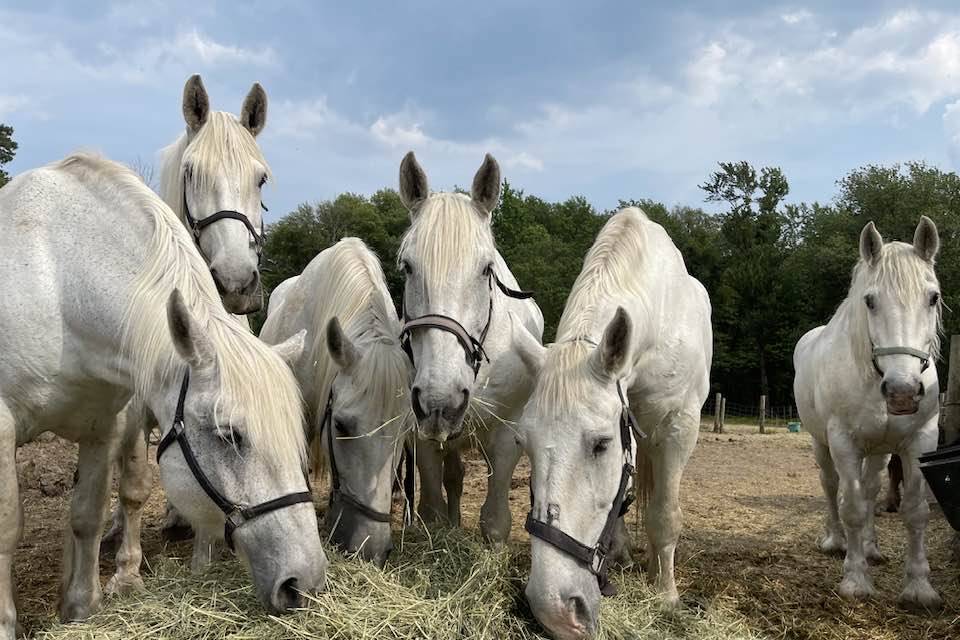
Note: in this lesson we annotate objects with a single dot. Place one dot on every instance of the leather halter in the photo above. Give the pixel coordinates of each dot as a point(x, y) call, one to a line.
point(473, 347)
point(594, 557)
point(336, 491)
point(892, 351)
point(196, 226)
point(236, 515)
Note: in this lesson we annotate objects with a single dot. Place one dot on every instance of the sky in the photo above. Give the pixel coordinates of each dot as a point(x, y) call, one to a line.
point(607, 100)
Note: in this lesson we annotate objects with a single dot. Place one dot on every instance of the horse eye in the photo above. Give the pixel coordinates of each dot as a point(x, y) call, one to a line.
point(600, 446)
point(263, 181)
point(407, 268)
point(934, 299)
point(341, 429)
point(188, 172)
point(231, 437)
point(871, 301)
point(487, 270)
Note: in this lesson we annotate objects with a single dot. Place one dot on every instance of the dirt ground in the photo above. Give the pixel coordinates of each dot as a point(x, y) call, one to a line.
point(752, 514)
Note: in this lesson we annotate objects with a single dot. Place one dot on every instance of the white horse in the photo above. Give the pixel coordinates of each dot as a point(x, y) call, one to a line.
point(211, 178)
point(457, 312)
point(635, 323)
point(866, 387)
point(354, 379)
point(90, 261)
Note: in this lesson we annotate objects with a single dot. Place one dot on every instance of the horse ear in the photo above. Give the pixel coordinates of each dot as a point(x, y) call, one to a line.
point(486, 185)
point(189, 339)
point(291, 349)
point(610, 359)
point(926, 240)
point(413, 183)
point(253, 114)
point(196, 103)
point(531, 352)
point(870, 243)
point(341, 349)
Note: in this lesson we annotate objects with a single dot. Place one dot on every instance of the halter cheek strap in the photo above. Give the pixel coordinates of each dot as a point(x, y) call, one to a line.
point(235, 514)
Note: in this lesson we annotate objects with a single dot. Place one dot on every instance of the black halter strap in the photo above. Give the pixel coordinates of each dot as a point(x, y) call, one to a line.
point(196, 226)
point(337, 493)
point(236, 514)
point(595, 557)
point(892, 351)
point(473, 347)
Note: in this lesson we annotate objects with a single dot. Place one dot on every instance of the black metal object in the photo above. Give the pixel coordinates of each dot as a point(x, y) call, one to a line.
point(941, 468)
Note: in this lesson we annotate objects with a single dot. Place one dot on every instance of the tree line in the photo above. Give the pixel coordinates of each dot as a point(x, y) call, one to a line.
point(773, 270)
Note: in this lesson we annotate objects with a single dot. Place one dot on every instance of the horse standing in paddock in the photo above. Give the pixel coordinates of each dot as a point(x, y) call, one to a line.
point(865, 388)
point(108, 297)
point(625, 379)
point(354, 378)
point(457, 300)
point(211, 178)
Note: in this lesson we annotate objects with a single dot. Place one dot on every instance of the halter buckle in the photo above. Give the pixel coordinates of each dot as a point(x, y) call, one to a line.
point(236, 518)
point(597, 560)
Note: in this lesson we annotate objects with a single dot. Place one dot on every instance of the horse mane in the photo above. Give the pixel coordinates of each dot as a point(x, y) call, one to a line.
point(355, 291)
point(898, 270)
point(221, 145)
point(446, 231)
point(613, 269)
point(249, 371)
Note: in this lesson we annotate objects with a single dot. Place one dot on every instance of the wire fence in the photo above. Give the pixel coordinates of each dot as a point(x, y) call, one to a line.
point(777, 416)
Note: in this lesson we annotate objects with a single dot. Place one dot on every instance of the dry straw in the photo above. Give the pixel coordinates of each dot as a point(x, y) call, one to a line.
point(450, 586)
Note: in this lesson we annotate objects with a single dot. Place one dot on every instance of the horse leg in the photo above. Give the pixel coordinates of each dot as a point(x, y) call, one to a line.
point(136, 482)
point(453, 471)
point(853, 507)
point(503, 454)
point(11, 522)
point(871, 479)
point(432, 507)
point(917, 592)
point(895, 471)
point(82, 594)
point(834, 541)
point(663, 518)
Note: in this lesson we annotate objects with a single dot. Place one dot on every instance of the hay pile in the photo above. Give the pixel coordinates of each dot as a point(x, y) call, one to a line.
point(450, 586)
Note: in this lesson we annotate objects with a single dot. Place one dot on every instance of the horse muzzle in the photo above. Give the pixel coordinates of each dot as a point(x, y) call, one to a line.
point(903, 398)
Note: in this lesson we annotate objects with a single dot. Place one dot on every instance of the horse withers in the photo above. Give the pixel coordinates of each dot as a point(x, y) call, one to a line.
point(108, 297)
point(866, 387)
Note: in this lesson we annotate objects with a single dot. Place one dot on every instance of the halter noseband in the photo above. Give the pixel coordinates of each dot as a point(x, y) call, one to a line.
point(595, 558)
point(473, 347)
point(892, 351)
point(196, 226)
point(236, 515)
point(336, 491)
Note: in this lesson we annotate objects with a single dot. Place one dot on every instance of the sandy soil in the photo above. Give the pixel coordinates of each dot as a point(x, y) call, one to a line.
point(753, 512)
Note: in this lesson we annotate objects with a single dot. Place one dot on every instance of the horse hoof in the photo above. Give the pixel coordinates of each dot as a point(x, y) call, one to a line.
point(76, 612)
point(118, 586)
point(920, 596)
point(856, 589)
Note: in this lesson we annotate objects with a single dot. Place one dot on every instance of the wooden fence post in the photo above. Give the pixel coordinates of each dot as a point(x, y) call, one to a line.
point(723, 412)
point(951, 406)
point(716, 412)
point(763, 412)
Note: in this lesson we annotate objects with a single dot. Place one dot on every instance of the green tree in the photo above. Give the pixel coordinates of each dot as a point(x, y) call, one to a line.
point(8, 149)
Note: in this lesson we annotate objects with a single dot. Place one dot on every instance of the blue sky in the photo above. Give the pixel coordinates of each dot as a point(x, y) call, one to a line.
point(603, 99)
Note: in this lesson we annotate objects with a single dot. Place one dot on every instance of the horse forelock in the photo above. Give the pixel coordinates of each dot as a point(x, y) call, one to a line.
point(900, 271)
point(222, 146)
point(249, 371)
point(447, 233)
point(354, 290)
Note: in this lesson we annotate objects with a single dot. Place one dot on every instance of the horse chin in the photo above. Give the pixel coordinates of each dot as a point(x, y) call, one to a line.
point(243, 304)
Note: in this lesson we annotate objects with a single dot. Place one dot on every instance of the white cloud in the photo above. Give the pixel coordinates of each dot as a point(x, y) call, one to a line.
point(391, 131)
point(795, 17)
point(12, 104)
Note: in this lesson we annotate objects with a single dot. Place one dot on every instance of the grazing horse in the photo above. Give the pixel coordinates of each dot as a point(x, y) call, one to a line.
point(629, 371)
point(457, 300)
point(108, 297)
point(211, 177)
point(354, 378)
point(865, 388)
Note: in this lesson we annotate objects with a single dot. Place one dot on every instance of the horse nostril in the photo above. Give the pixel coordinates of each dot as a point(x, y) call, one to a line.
point(578, 609)
point(883, 387)
point(251, 285)
point(216, 280)
point(288, 596)
point(418, 409)
point(921, 391)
